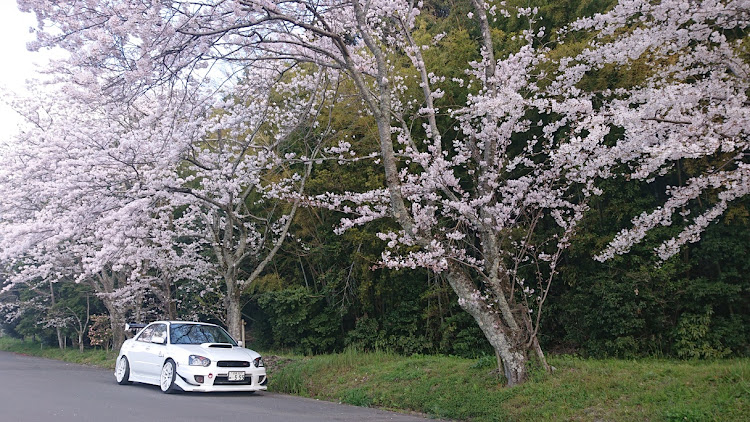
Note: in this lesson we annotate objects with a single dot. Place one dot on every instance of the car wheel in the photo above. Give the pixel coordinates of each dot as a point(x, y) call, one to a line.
point(122, 371)
point(168, 373)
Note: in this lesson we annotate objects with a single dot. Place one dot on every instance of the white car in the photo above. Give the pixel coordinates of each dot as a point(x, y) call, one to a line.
point(189, 356)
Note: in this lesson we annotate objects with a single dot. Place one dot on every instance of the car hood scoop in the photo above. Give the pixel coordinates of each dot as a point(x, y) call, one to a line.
point(217, 345)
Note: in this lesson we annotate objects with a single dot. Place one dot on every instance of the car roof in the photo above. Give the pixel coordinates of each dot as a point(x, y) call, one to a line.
point(181, 322)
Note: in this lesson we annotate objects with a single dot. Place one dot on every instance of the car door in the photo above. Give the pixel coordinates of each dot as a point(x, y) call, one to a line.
point(139, 352)
point(153, 357)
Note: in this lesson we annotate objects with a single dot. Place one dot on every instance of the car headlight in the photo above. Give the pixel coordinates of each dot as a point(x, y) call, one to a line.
point(196, 360)
point(258, 362)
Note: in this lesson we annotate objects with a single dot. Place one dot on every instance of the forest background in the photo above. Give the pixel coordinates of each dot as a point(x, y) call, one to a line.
point(324, 291)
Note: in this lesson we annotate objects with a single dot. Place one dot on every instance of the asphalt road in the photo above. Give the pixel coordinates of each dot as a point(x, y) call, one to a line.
point(37, 390)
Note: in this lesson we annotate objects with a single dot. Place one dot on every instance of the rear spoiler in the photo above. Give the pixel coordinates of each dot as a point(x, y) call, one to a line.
point(134, 326)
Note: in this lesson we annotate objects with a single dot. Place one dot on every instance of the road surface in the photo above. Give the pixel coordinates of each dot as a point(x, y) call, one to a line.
point(38, 390)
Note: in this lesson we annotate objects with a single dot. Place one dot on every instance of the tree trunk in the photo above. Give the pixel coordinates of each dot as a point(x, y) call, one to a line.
point(106, 282)
point(117, 322)
point(170, 305)
point(85, 324)
point(60, 340)
point(234, 315)
point(509, 343)
point(118, 330)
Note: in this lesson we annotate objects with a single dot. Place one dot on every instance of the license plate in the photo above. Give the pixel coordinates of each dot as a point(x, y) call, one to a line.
point(236, 376)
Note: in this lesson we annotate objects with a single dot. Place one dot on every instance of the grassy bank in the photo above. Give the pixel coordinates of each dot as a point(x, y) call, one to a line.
point(468, 389)
point(95, 357)
point(580, 389)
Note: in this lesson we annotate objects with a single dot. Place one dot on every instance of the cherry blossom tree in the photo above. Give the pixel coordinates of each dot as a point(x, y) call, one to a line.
point(526, 150)
point(121, 182)
point(75, 188)
point(232, 175)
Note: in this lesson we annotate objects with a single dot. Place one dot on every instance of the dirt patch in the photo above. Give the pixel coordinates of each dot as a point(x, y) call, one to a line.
point(275, 363)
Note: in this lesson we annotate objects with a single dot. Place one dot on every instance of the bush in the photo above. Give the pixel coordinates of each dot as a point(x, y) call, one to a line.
point(300, 320)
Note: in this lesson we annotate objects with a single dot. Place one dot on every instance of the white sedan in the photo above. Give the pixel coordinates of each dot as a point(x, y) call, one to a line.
point(189, 356)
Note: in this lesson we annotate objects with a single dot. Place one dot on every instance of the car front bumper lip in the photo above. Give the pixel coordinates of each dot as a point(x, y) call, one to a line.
point(186, 379)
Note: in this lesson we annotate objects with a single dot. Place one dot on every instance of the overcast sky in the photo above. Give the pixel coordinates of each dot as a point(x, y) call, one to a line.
point(17, 64)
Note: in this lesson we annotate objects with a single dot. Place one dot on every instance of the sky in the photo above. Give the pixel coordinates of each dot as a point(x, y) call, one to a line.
point(17, 63)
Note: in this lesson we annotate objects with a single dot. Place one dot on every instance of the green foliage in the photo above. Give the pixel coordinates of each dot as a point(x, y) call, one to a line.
point(693, 337)
point(400, 332)
point(694, 305)
point(34, 315)
point(462, 337)
point(300, 320)
point(366, 335)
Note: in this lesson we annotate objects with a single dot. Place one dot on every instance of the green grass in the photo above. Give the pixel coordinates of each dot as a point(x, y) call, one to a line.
point(94, 357)
point(469, 389)
point(580, 389)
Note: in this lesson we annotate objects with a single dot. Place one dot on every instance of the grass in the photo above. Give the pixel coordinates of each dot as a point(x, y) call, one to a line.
point(94, 357)
point(580, 389)
point(469, 389)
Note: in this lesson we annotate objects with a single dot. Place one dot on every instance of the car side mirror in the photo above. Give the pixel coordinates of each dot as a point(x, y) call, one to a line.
point(158, 340)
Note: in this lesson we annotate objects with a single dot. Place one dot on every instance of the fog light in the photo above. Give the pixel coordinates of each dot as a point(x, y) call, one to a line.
point(199, 379)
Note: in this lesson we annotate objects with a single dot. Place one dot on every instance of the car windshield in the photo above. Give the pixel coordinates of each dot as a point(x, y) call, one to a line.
point(199, 333)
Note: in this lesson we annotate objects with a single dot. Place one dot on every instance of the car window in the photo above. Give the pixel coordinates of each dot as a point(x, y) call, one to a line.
point(199, 333)
point(160, 330)
point(146, 334)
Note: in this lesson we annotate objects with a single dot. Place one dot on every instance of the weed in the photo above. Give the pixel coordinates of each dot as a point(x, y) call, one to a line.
point(486, 361)
point(356, 397)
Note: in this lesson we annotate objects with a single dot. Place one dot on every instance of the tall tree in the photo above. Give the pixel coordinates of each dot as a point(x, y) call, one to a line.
point(232, 176)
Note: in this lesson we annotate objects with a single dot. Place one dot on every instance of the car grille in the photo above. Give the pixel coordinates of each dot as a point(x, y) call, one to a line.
point(222, 380)
point(233, 364)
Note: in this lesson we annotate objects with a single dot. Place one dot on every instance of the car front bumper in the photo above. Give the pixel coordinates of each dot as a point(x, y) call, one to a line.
point(215, 379)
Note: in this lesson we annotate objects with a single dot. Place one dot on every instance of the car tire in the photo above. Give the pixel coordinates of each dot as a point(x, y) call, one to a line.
point(166, 379)
point(122, 371)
